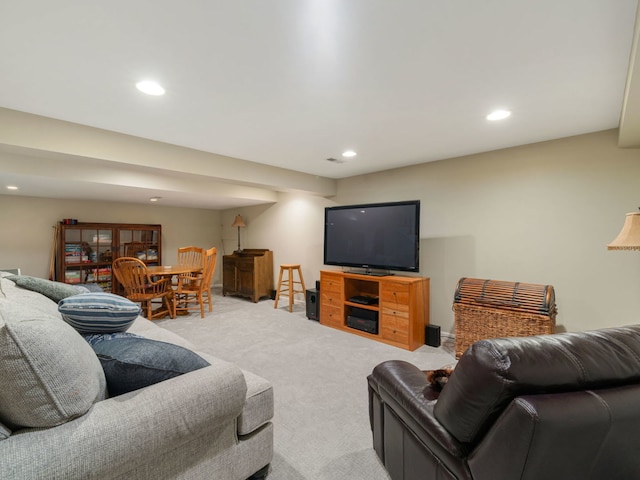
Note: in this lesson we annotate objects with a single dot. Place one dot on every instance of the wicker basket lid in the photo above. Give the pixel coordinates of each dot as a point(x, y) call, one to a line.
point(518, 296)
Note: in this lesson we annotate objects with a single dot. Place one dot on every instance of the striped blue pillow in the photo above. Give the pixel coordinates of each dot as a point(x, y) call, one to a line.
point(98, 312)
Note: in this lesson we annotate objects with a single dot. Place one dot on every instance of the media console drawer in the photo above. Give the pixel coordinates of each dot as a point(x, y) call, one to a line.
point(333, 315)
point(331, 283)
point(395, 335)
point(402, 309)
point(397, 312)
point(395, 292)
point(333, 299)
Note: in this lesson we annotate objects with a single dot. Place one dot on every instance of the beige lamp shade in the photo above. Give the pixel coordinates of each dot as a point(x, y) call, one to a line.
point(629, 236)
point(238, 222)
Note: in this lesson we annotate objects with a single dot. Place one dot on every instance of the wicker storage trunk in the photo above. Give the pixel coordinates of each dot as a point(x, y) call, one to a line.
point(492, 308)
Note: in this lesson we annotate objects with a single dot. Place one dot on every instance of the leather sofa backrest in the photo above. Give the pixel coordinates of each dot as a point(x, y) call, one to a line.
point(491, 373)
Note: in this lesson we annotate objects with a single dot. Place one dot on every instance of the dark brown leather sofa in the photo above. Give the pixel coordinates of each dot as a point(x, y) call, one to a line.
point(563, 406)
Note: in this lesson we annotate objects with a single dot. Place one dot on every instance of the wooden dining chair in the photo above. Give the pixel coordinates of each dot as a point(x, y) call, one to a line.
point(140, 287)
point(133, 248)
point(193, 290)
point(191, 256)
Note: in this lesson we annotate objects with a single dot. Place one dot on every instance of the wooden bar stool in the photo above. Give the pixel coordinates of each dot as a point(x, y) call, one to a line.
point(288, 285)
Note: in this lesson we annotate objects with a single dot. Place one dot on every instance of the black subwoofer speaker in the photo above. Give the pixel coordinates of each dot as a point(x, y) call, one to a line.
point(432, 335)
point(313, 305)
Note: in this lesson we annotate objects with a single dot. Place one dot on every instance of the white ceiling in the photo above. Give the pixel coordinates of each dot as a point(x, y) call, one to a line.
point(290, 83)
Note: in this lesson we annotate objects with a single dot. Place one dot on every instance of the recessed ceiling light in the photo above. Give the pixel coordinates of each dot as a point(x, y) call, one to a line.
point(150, 88)
point(154, 199)
point(498, 115)
point(12, 187)
point(349, 153)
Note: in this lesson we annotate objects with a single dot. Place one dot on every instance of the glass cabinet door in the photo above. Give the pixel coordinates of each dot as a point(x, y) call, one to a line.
point(140, 243)
point(86, 251)
point(88, 255)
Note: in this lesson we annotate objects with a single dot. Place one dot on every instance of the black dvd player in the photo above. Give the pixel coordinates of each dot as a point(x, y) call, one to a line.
point(364, 300)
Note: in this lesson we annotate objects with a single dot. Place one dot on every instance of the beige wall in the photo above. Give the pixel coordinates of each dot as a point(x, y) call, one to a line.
point(293, 228)
point(27, 227)
point(540, 213)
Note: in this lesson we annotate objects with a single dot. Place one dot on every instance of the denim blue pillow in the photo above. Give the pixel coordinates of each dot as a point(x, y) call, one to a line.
point(98, 312)
point(131, 362)
point(93, 338)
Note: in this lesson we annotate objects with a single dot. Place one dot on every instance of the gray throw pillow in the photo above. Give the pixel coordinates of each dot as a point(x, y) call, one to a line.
point(48, 373)
point(131, 362)
point(56, 291)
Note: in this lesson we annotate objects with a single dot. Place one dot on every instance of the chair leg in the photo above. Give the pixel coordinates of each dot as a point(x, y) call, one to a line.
point(175, 305)
point(210, 300)
point(291, 290)
point(179, 302)
point(301, 281)
point(170, 304)
point(275, 304)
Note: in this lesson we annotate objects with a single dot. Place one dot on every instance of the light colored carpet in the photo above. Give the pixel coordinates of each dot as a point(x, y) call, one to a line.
point(321, 420)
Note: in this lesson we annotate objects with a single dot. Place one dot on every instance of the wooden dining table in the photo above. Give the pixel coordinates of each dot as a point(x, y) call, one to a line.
point(170, 270)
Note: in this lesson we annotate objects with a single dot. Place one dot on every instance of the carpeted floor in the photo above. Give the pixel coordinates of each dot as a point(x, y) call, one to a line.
point(319, 375)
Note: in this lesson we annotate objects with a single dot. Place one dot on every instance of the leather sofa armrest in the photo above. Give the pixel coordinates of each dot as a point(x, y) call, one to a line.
point(406, 390)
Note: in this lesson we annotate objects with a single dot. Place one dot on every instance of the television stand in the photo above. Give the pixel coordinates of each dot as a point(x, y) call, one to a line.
point(402, 310)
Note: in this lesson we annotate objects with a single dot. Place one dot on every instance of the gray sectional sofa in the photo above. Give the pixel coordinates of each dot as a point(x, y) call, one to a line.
point(57, 420)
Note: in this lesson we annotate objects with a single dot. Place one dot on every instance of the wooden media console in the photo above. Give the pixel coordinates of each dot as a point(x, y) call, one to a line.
point(402, 307)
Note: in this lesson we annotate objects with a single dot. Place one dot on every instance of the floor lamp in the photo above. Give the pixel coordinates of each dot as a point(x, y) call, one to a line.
point(239, 223)
point(629, 236)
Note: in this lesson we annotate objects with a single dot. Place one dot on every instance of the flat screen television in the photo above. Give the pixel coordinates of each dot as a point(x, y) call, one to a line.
point(374, 236)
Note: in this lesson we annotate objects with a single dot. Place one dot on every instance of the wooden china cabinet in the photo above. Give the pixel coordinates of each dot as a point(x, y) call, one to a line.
point(85, 251)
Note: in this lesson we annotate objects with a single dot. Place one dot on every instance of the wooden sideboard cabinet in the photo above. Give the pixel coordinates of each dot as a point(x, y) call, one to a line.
point(248, 273)
point(402, 308)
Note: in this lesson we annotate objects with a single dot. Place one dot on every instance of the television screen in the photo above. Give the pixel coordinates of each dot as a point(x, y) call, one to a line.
point(382, 236)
